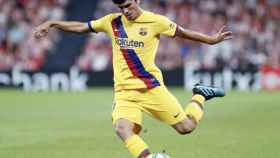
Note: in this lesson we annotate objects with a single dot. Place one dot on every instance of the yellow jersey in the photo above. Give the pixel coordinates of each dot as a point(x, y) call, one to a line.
point(135, 44)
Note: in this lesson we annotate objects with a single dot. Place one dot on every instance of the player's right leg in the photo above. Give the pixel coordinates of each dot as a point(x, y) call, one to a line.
point(125, 129)
point(127, 119)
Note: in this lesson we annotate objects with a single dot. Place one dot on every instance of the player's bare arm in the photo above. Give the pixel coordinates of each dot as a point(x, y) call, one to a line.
point(68, 26)
point(220, 36)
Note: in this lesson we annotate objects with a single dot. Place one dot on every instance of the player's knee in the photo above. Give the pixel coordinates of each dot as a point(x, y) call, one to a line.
point(123, 130)
point(185, 130)
point(185, 127)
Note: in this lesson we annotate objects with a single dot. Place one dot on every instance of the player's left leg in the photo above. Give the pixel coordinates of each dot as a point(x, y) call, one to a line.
point(164, 106)
point(194, 110)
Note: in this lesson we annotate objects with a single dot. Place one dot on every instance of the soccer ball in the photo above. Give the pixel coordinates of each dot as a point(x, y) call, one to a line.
point(159, 155)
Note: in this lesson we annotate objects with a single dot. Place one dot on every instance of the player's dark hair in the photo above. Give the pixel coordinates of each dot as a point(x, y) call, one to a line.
point(118, 1)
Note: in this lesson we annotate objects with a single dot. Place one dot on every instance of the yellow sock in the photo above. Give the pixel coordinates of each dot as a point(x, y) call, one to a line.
point(195, 107)
point(137, 147)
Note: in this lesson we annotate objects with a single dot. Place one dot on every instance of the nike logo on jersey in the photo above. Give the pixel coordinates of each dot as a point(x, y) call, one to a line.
point(175, 116)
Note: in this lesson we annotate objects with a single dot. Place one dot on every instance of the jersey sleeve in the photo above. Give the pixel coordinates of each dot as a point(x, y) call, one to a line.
point(100, 25)
point(165, 26)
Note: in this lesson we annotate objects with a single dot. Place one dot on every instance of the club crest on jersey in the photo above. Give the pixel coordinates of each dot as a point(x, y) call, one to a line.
point(143, 31)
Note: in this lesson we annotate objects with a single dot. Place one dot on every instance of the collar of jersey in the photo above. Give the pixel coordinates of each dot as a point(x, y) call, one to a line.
point(145, 17)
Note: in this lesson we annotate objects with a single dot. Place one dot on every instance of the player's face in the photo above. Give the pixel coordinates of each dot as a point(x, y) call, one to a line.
point(130, 9)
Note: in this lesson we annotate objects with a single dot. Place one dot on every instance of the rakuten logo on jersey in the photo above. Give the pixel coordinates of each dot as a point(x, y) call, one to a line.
point(126, 43)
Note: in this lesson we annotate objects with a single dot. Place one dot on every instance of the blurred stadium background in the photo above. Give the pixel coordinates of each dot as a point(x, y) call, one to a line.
point(55, 124)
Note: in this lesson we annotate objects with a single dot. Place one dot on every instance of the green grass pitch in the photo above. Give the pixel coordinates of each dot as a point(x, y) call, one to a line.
point(78, 125)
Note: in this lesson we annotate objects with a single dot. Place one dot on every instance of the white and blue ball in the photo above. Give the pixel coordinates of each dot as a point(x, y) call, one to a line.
point(159, 155)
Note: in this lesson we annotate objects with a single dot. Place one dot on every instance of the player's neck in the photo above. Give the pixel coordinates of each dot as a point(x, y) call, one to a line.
point(139, 13)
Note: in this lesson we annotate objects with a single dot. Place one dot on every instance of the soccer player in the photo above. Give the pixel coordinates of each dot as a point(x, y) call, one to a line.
point(138, 83)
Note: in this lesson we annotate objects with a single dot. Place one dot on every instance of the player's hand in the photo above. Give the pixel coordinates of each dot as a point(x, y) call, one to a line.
point(222, 35)
point(42, 30)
